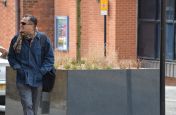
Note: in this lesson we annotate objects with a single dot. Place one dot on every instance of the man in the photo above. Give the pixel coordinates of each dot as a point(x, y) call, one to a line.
point(31, 54)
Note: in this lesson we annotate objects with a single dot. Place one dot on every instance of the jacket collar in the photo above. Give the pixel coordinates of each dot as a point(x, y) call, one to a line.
point(37, 35)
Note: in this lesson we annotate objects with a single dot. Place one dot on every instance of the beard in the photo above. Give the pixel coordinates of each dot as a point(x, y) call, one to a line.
point(26, 35)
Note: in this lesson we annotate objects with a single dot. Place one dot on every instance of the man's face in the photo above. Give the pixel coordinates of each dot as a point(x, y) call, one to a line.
point(26, 26)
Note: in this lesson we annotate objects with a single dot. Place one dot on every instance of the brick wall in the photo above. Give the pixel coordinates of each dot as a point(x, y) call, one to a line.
point(92, 30)
point(7, 22)
point(121, 28)
point(112, 53)
point(121, 25)
point(126, 33)
point(68, 8)
point(44, 11)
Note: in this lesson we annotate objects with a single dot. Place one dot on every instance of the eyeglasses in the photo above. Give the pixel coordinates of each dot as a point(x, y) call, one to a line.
point(23, 23)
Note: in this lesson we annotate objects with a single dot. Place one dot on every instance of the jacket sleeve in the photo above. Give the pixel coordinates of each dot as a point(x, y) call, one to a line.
point(48, 59)
point(12, 56)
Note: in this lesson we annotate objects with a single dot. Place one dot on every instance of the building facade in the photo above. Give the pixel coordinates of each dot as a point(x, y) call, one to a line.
point(121, 25)
point(132, 28)
point(149, 29)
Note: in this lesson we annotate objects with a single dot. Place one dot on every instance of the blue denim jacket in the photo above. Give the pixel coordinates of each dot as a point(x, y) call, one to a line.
point(33, 61)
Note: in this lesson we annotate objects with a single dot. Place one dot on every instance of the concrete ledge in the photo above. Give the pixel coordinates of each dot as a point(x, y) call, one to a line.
point(95, 92)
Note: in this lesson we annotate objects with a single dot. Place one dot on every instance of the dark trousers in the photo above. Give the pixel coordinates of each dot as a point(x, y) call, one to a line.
point(30, 98)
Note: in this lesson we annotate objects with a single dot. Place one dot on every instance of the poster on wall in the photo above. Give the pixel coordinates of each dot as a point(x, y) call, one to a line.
point(61, 33)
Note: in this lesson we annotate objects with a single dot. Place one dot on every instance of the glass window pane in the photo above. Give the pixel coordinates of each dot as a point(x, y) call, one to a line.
point(170, 10)
point(169, 41)
point(146, 43)
point(147, 9)
point(175, 42)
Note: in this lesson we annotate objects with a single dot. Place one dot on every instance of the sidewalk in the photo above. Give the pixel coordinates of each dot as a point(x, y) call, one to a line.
point(170, 99)
point(170, 103)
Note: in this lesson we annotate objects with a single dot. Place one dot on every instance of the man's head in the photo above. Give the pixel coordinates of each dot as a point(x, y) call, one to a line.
point(28, 24)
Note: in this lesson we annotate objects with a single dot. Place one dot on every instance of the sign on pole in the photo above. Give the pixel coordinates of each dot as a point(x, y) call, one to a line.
point(104, 7)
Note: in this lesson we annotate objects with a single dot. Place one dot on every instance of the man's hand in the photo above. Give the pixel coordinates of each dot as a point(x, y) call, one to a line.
point(3, 52)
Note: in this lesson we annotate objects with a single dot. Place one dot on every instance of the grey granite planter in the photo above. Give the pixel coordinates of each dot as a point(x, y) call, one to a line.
point(97, 92)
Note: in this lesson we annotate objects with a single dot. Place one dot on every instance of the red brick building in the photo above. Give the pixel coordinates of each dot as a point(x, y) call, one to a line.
point(8, 21)
point(121, 25)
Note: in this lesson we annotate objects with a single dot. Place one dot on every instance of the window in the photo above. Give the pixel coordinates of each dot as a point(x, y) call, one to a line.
point(149, 29)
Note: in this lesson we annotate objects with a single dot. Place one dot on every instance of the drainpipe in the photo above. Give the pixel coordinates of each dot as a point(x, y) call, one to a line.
point(78, 47)
point(17, 14)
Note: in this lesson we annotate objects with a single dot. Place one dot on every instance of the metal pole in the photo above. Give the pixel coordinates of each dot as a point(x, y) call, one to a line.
point(105, 35)
point(162, 57)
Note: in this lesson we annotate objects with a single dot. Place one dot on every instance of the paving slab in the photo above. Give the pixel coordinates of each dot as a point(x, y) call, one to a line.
point(170, 98)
